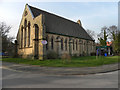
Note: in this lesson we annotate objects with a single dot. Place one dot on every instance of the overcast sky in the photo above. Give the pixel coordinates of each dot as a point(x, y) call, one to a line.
point(93, 15)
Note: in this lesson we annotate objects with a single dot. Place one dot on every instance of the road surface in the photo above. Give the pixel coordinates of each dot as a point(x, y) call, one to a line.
point(19, 79)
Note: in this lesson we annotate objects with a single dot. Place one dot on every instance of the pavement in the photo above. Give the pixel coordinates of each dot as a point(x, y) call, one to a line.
point(60, 70)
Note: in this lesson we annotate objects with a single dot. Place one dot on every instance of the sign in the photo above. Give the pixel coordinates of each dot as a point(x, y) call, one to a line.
point(44, 42)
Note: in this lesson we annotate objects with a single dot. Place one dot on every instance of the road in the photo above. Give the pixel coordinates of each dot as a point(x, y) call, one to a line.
point(19, 79)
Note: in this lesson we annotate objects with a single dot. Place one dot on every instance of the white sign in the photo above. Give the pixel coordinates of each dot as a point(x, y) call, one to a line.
point(44, 42)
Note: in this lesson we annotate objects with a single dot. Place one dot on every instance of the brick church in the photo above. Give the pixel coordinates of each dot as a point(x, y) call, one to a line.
point(59, 34)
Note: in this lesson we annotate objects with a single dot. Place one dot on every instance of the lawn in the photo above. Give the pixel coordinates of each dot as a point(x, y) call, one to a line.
point(88, 61)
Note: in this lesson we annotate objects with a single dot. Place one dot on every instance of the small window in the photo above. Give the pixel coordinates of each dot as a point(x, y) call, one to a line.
point(25, 14)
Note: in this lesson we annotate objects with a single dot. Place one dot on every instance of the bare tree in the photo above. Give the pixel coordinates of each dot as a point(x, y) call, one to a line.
point(4, 29)
point(91, 33)
point(114, 36)
point(101, 34)
point(112, 32)
point(6, 40)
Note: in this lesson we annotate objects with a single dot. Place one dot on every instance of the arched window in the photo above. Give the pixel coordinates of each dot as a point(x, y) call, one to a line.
point(62, 44)
point(36, 45)
point(25, 38)
point(21, 36)
point(66, 44)
point(52, 46)
point(84, 46)
point(76, 45)
point(36, 32)
point(73, 45)
point(28, 34)
point(25, 34)
point(47, 43)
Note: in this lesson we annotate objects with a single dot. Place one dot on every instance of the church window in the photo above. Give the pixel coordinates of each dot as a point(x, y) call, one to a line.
point(66, 44)
point(25, 14)
point(47, 43)
point(21, 36)
point(29, 34)
point(36, 32)
point(62, 44)
point(52, 46)
point(73, 45)
point(76, 45)
point(25, 34)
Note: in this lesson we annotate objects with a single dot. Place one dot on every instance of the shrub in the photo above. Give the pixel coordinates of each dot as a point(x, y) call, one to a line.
point(80, 54)
point(75, 55)
point(52, 55)
point(93, 54)
point(83, 54)
point(66, 57)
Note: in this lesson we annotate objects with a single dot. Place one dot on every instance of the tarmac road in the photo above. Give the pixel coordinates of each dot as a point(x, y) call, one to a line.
point(20, 79)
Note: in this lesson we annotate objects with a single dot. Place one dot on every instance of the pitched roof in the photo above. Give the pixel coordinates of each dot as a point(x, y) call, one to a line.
point(59, 25)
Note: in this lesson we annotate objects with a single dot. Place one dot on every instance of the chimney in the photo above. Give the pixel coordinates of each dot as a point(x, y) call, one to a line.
point(79, 22)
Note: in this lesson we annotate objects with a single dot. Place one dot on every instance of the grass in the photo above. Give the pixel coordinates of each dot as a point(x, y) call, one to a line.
point(88, 61)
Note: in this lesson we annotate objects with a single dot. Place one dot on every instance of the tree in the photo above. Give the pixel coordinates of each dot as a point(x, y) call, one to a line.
point(91, 33)
point(7, 44)
point(116, 43)
point(114, 37)
point(112, 32)
point(102, 37)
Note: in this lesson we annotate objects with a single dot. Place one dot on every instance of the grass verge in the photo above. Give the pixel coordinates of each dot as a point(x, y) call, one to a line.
point(88, 61)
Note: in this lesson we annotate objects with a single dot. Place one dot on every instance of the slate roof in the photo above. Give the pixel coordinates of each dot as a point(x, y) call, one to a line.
point(59, 25)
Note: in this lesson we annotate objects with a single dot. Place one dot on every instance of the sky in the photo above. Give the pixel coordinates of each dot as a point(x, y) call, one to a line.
point(93, 15)
point(119, 15)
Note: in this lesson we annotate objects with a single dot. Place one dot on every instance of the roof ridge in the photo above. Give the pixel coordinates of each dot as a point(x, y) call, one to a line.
point(53, 14)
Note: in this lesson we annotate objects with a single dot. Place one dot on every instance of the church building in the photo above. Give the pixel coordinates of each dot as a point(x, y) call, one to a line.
point(41, 32)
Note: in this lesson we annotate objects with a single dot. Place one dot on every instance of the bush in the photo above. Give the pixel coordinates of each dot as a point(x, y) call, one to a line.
point(52, 55)
point(93, 54)
point(66, 57)
point(75, 55)
point(84, 54)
